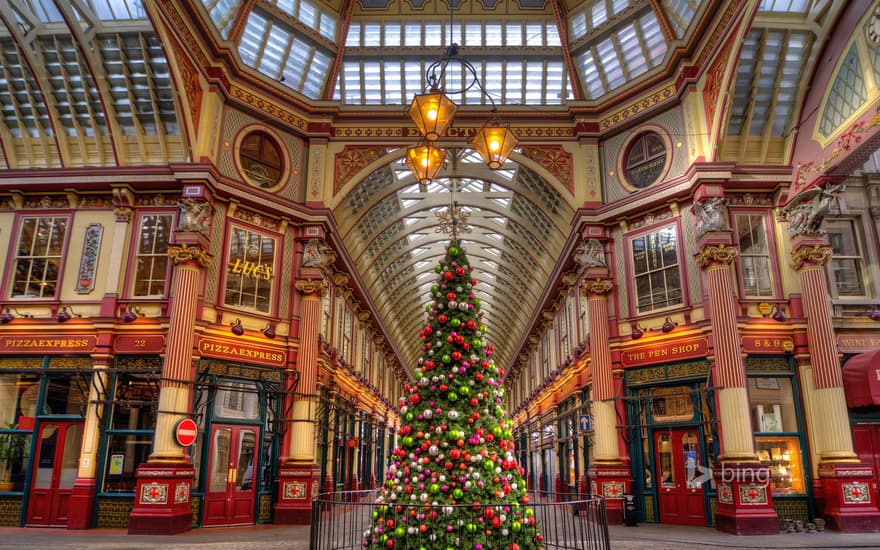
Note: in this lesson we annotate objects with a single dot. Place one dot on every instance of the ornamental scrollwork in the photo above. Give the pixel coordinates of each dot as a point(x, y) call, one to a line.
point(720, 254)
point(311, 286)
point(183, 253)
point(590, 254)
point(814, 255)
point(597, 286)
point(709, 215)
point(808, 209)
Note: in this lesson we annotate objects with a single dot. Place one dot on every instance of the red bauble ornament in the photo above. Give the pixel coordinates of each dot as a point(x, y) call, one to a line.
point(442, 319)
point(459, 271)
point(456, 355)
point(448, 275)
point(450, 295)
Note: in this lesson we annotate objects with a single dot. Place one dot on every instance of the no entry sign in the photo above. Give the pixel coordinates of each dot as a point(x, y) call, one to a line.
point(185, 432)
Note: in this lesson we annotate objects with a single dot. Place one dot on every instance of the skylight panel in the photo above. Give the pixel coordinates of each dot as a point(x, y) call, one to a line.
point(787, 6)
point(577, 25)
point(534, 34)
point(372, 35)
point(680, 14)
point(353, 39)
point(505, 202)
point(433, 35)
point(599, 13)
point(46, 11)
point(552, 31)
point(653, 36)
point(633, 57)
point(412, 34)
point(406, 203)
point(117, 10)
point(393, 80)
point(392, 33)
point(494, 34)
point(473, 34)
point(513, 34)
point(327, 27)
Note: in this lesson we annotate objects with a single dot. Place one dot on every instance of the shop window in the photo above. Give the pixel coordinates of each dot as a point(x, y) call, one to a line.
point(754, 256)
point(673, 404)
point(846, 268)
point(645, 160)
point(238, 400)
point(39, 256)
point(782, 454)
point(261, 159)
point(656, 270)
point(66, 393)
point(131, 427)
point(250, 270)
point(774, 413)
point(151, 261)
point(18, 400)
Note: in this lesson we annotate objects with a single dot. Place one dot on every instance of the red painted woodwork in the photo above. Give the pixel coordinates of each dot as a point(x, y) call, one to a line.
point(54, 473)
point(231, 485)
point(680, 487)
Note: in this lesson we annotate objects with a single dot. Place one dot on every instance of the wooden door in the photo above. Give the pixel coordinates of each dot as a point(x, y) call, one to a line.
point(866, 440)
point(231, 486)
point(680, 478)
point(54, 471)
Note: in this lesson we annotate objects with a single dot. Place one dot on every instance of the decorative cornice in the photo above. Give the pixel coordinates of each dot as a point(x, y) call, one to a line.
point(809, 256)
point(311, 286)
point(597, 286)
point(712, 255)
point(186, 254)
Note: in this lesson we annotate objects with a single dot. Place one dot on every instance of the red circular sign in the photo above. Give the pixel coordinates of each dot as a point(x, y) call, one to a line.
point(185, 432)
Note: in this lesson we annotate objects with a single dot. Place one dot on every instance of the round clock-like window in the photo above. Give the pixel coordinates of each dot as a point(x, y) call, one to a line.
point(261, 160)
point(645, 160)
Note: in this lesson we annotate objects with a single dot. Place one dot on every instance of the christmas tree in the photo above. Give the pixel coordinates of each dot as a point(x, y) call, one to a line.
point(454, 481)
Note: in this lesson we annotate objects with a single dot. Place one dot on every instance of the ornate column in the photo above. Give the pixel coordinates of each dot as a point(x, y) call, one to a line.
point(164, 482)
point(82, 498)
point(299, 473)
point(745, 505)
point(609, 475)
point(846, 482)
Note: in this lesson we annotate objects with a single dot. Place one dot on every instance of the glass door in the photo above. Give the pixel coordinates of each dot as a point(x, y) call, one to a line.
point(54, 471)
point(231, 489)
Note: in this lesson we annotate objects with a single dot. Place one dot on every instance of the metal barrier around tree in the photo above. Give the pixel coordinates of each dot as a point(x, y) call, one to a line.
point(341, 521)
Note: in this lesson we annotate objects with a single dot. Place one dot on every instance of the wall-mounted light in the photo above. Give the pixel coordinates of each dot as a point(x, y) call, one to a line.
point(6, 317)
point(874, 314)
point(668, 325)
point(269, 331)
point(237, 328)
point(65, 314)
point(772, 310)
point(130, 314)
point(637, 332)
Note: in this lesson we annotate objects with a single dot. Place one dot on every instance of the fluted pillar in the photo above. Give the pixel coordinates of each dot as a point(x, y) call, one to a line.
point(745, 505)
point(846, 482)
point(609, 475)
point(165, 481)
point(299, 473)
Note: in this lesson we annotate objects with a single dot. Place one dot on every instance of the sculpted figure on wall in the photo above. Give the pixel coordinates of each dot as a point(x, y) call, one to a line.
point(195, 215)
point(590, 254)
point(318, 253)
point(709, 215)
point(807, 210)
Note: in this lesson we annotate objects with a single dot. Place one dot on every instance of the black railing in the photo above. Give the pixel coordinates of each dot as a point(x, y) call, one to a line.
point(345, 520)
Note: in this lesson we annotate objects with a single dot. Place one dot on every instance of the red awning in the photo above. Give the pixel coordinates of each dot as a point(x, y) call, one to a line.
point(861, 379)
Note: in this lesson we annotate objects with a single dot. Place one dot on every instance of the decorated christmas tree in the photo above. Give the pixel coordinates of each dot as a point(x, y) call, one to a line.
point(454, 481)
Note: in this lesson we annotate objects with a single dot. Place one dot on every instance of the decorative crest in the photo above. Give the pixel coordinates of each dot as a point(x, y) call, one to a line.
point(453, 220)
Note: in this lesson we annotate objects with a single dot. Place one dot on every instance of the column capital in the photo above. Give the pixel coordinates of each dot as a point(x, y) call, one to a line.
point(713, 255)
point(811, 256)
point(594, 287)
point(189, 254)
point(311, 286)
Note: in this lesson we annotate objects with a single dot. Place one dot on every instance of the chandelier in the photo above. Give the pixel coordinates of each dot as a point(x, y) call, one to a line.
point(433, 111)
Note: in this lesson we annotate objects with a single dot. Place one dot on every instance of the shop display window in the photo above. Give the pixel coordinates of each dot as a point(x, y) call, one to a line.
point(772, 404)
point(125, 452)
point(672, 404)
point(18, 400)
point(782, 454)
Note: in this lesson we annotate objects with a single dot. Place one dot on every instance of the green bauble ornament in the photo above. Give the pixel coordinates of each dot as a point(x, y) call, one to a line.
point(456, 322)
point(457, 493)
point(408, 441)
point(446, 358)
point(435, 488)
point(476, 342)
point(410, 416)
point(400, 532)
point(435, 288)
point(452, 396)
point(438, 268)
point(453, 250)
point(483, 329)
point(464, 390)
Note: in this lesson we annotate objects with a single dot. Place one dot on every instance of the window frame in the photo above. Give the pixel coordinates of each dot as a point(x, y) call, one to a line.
point(272, 299)
point(772, 262)
point(62, 257)
point(675, 227)
point(857, 236)
point(635, 138)
point(135, 253)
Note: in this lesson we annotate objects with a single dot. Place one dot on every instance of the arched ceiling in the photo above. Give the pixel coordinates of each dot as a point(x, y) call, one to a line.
point(516, 227)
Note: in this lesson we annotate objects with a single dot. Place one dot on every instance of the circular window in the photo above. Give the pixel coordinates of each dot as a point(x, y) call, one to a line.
point(260, 159)
point(645, 160)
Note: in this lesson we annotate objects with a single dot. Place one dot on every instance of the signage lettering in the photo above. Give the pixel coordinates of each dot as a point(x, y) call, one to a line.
point(39, 345)
point(857, 343)
point(660, 352)
point(251, 269)
point(225, 350)
point(767, 344)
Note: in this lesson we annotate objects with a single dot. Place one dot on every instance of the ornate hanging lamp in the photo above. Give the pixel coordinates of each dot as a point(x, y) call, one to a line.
point(425, 161)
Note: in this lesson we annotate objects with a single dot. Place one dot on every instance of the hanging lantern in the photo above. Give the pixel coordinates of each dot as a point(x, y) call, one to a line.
point(432, 113)
point(425, 161)
point(494, 143)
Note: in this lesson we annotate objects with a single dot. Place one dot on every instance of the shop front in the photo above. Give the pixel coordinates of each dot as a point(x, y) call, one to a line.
point(861, 379)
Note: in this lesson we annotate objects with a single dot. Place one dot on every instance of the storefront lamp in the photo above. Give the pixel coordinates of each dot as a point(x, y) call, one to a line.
point(494, 142)
point(425, 161)
point(432, 113)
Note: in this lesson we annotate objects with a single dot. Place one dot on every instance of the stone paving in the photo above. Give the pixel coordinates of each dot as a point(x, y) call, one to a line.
point(271, 537)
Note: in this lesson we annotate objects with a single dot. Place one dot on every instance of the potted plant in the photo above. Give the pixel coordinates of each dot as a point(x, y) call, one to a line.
point(12, 450)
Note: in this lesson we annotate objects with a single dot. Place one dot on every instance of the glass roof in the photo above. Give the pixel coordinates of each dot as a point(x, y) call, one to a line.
point(518, 47)
point(517, 227)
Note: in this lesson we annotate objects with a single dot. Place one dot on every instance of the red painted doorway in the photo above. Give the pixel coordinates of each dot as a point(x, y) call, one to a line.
point(231, 487)
point(866, 440)
point(54, 471)
point(679, 488)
